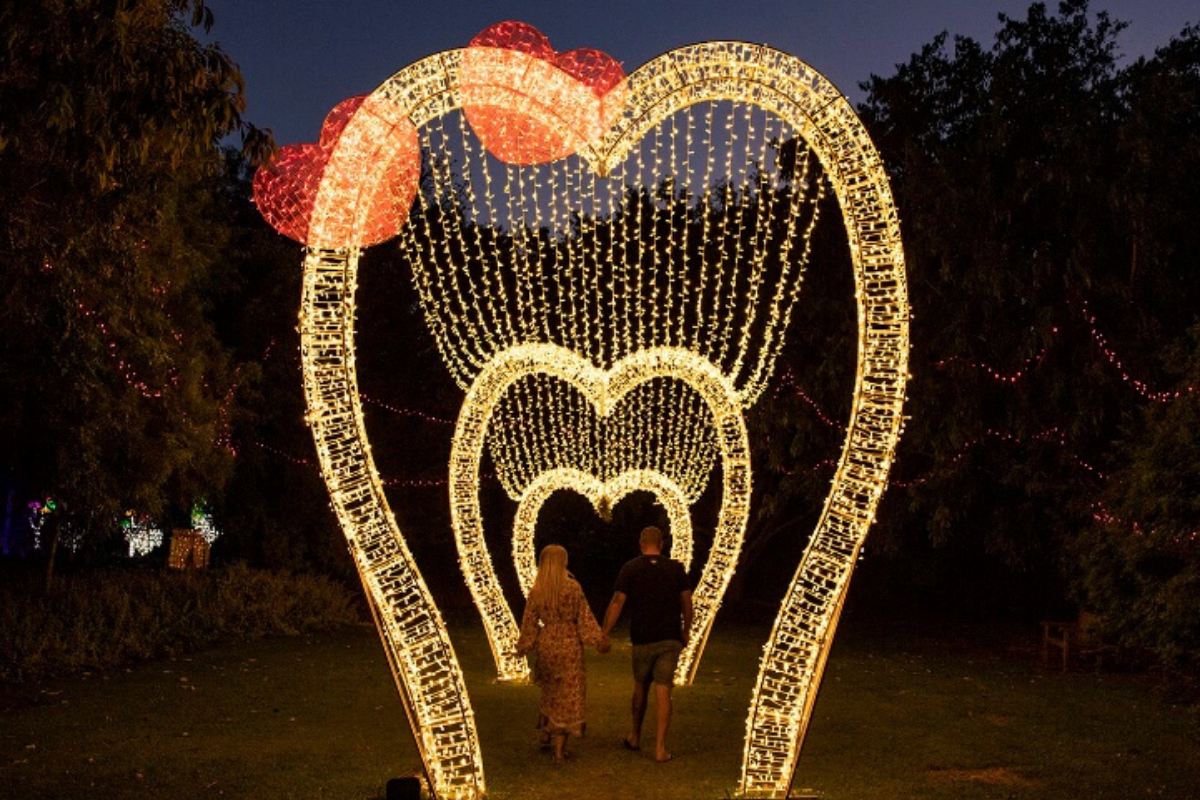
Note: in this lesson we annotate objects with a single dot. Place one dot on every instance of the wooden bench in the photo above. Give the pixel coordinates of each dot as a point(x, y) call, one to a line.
point(1078, 639)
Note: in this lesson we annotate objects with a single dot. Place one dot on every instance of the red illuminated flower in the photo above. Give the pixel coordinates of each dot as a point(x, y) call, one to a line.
point(383, 164)
point(529, 104)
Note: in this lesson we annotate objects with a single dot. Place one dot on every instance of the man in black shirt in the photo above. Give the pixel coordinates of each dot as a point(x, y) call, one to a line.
point(660, 609)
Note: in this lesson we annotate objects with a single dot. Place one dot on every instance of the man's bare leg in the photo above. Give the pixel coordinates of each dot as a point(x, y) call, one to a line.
point(662, 715)
point(638, 707)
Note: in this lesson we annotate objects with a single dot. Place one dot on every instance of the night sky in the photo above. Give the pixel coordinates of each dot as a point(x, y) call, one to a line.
point(301, 58)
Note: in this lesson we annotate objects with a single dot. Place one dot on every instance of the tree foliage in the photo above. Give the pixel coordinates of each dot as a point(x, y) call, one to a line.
point(1045, 191)
point(115, 386)
point(1137, 564)
point(1139, 560)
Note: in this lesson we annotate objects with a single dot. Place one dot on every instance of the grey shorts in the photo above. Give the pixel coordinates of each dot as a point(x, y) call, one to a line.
point(656, 661)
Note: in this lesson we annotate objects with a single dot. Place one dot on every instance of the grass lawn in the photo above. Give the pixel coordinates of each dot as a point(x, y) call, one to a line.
point(900, 716)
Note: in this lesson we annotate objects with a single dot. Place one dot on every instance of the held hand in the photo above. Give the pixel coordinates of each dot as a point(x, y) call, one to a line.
point(604, 646)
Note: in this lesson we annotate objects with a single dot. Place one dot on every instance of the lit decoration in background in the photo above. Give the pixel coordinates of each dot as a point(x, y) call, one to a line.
point(37, 518)
point(1111, 356)
point(71, 536)
point(126, 369)
point(994, 373)
point(189, 549)
point(407, 412)
point(1104, 517)
point(282, 454)
point(788, 380)
point(1012, 376)
point(142, 535)
point(1053, 436)
point(601, 320)
point(202, 523)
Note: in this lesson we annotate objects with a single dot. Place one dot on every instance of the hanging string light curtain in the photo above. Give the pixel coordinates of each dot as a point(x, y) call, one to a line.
point(663, 425)
point(697, 239)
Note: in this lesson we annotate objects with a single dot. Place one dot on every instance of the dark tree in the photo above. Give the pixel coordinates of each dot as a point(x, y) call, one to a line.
point(115, 388)
point(1043, 190)
point(1140, 559)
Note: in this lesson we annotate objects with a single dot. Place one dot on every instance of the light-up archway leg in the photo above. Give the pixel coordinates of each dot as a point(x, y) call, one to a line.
point(796, 652)
point(414, 635)
point(666, 492)
point(603, 389)
point(795, 655)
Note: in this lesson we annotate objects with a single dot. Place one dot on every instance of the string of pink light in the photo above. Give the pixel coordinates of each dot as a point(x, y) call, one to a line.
point(1012, 376)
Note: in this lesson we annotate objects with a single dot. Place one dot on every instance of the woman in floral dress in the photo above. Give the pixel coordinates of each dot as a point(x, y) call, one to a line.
point(556, 627)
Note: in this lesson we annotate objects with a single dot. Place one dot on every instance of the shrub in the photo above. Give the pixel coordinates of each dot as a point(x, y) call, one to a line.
point(106, 619)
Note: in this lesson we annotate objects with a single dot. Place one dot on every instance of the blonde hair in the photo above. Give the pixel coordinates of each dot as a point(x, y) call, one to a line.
point(551, 576)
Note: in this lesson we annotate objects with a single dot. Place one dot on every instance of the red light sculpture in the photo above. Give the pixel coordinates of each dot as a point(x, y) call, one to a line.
point(529, 104)
point(285, 188)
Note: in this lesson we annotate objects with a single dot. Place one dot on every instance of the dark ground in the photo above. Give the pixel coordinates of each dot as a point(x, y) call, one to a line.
point(946, 713)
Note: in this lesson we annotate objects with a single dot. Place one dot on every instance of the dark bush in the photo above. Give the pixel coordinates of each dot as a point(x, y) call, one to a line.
point(102, 620)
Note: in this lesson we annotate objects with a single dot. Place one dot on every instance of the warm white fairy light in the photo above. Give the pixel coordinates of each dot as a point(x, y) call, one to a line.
point(519, 320)
point(542, 425)
point(493, 275)
point(588, 279)
point(419, 651)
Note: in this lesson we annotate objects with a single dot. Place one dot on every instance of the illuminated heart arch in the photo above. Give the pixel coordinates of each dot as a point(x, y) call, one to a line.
point(423, 662)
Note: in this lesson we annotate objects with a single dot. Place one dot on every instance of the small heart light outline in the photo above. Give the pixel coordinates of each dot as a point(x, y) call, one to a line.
point(418, 647)
point(598, 493)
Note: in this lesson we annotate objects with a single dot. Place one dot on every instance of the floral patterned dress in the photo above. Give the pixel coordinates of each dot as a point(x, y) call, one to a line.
point(558, 647)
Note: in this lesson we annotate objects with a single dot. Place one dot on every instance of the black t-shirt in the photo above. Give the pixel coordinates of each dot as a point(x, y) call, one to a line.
point(653, 586)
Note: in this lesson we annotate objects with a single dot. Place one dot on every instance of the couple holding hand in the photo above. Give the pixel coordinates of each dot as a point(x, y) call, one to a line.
point(558, 624)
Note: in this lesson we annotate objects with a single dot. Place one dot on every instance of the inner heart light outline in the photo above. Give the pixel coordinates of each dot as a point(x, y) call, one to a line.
point(598, 493)
point(423, 662)
point(605, 389)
